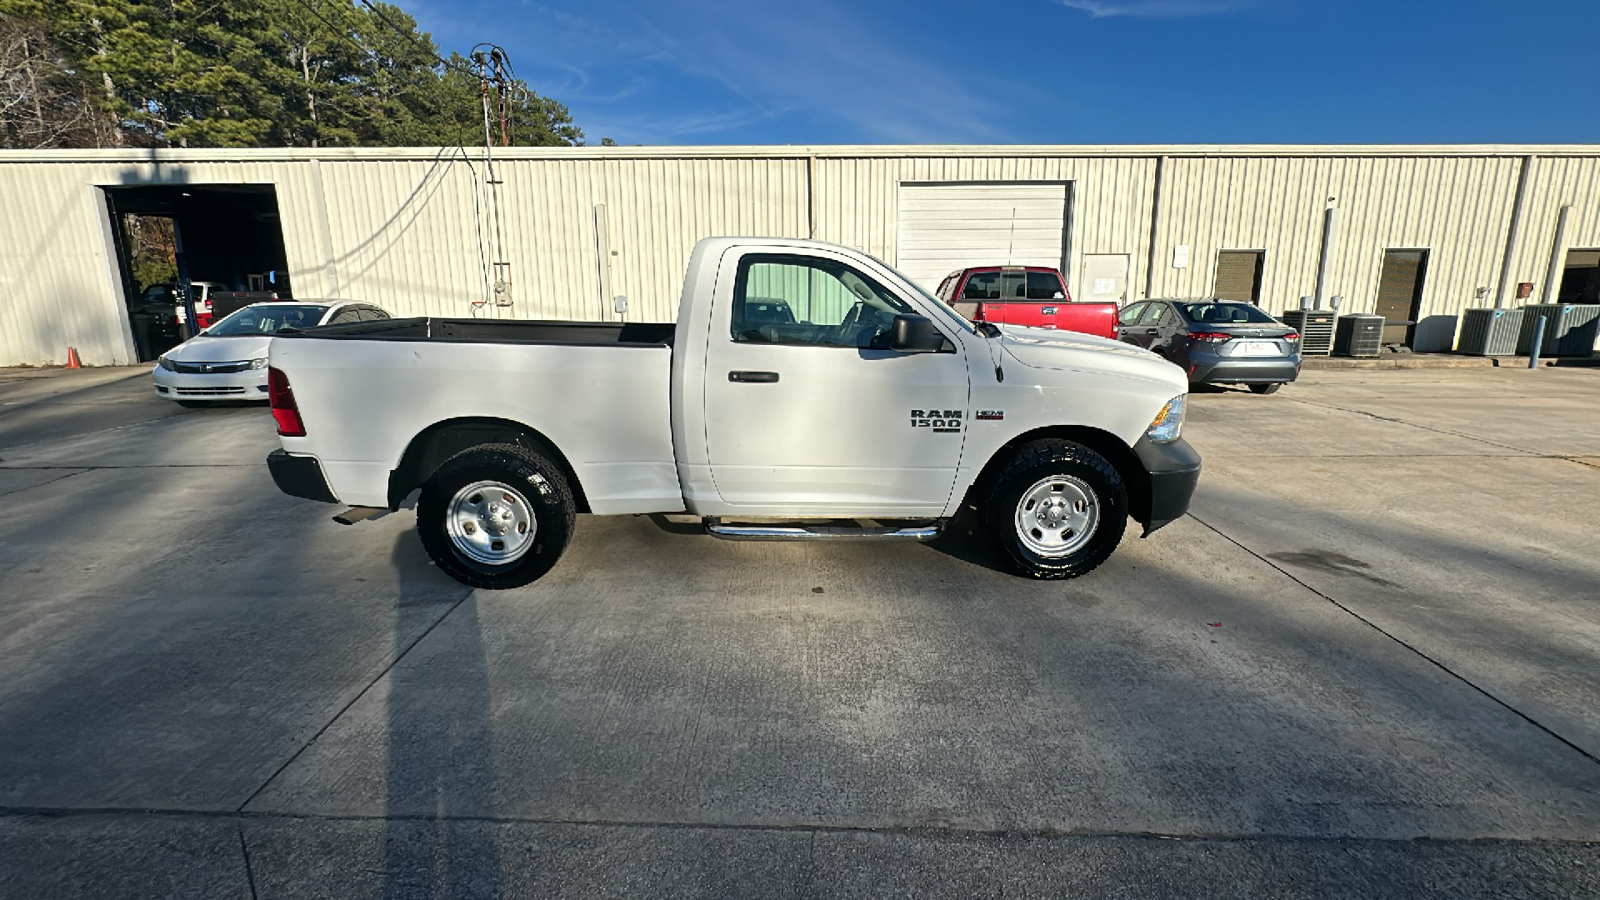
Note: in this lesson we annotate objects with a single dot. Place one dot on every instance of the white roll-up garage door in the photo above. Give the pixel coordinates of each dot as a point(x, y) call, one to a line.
point(944, 227)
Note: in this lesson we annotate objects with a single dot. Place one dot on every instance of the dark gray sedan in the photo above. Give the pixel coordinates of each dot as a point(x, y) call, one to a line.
point(1216, 341)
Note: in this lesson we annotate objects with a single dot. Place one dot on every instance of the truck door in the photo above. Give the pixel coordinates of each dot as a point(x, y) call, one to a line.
point(808, 413)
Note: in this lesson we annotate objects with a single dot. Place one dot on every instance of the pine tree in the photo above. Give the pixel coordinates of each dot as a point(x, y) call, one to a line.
point(202, 73)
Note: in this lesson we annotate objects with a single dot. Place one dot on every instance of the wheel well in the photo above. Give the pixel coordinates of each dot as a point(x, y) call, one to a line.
point(1108, 445)
point(437, 443)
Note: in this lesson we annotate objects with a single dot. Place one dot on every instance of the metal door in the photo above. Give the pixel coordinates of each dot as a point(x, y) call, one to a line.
point(1239, 276)
point(1400, 293)
point(945, 227)
point(1105, 278)
point(802, 418)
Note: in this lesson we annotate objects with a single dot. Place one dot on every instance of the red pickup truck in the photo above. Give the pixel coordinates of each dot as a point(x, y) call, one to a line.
point(1024, 295)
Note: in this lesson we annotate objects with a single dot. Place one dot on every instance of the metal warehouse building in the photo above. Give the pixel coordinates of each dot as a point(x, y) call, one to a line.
point(1415, 233)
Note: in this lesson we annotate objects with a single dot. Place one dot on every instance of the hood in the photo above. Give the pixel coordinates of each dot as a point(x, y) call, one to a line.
point(1045, 348)
point(221, 349)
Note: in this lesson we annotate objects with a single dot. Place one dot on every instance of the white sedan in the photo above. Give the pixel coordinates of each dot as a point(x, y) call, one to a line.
point(228, 361)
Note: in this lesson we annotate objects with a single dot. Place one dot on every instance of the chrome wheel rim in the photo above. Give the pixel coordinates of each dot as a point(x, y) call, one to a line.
point(1057, 516)
point(491, 523)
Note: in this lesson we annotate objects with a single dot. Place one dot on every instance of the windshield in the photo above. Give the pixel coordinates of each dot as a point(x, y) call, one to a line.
point(267, 318)
point(1225, 314)
point(938, 304)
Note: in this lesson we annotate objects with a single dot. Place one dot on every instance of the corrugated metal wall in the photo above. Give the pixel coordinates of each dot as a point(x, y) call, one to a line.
point(414, 229)
point(1458, 209)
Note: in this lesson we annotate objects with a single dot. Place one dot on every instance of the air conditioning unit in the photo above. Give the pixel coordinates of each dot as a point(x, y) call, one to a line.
point(1315, 327)
point(1569, 328)
point(1358, 335)
point(1489, 332)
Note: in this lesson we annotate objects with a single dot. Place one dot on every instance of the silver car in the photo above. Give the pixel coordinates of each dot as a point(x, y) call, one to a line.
point(1216, 341)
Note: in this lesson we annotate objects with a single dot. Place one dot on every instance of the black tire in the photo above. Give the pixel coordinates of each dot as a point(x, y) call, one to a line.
point(1266, 388)
point(1041, 460)
point(528, 472)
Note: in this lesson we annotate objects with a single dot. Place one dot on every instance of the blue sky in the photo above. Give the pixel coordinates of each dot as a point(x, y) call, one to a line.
point(1050, 71)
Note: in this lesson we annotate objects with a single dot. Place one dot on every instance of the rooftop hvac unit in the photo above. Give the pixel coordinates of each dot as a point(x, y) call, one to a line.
point(1489, 332)
point(1358, 335)
point(1315, 327)
point(1569, 328)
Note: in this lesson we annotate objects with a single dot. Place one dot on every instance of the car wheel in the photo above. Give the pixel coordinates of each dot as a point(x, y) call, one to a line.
point(1266, 388)
point(496, 516)
point(1057, 509)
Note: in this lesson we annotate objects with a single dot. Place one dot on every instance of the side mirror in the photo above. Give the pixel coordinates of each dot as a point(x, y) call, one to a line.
point(915, 334)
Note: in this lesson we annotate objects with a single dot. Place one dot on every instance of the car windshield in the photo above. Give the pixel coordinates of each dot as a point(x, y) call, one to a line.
point(1225, 314)
point(937, 303)
point(266, 319)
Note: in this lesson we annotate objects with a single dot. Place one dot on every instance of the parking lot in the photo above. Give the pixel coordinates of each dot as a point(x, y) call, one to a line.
point(1368, 663)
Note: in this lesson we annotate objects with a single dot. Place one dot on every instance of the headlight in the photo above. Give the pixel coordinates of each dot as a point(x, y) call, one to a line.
point(167, 364)
point(258, 363)
point(1168, 423)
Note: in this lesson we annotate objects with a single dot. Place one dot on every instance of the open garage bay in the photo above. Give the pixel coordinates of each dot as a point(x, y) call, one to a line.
point(1368, 663)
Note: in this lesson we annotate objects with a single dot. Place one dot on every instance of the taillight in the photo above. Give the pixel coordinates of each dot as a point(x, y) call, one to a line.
point(1210, 337)
point(1292, 337)
point(977, 314)
point(284, 409)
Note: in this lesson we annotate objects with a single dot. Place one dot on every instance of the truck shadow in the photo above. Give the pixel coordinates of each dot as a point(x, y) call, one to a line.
point(440, 765)
point(963, 538)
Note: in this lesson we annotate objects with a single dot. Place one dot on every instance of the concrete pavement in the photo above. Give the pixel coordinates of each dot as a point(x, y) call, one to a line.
point(1365, 665)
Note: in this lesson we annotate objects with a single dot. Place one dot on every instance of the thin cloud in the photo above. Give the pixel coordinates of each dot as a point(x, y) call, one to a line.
point(829, 64)
point(1155, 9)
point(826, 65)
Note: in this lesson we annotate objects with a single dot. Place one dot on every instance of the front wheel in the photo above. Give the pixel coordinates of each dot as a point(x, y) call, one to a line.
point(1057, 509)
point(496, 516)
point(1266, 388)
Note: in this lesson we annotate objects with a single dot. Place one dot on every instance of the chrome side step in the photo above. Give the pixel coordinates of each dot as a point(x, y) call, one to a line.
point(730, 532)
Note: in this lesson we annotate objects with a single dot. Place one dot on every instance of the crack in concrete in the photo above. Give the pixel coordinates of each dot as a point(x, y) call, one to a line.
point(1398, 640)
point(249, 872)
point(1459, 434)
point(80, 471)
point(242, 817)
point(353, 700)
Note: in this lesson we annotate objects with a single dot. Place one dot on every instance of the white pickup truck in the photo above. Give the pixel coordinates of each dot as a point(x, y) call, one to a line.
point(807, 391)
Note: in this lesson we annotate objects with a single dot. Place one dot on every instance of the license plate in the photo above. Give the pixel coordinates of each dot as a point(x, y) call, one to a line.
point(1259, 348)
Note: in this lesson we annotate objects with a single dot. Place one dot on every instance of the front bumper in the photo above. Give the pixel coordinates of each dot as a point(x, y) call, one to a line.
point(1173, 470)
point(300, 476)
point(250, 384)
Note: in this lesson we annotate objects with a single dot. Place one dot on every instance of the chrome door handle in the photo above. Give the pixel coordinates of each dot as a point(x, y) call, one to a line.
point(753, 377)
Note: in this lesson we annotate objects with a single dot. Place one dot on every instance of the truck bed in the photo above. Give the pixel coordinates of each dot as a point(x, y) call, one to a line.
point(496, 331)
point(598, 391)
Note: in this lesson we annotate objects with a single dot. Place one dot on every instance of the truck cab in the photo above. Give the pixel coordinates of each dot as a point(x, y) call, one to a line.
point(1033, 296)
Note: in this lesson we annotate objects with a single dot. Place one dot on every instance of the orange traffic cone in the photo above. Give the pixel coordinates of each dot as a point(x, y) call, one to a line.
point(72, 358)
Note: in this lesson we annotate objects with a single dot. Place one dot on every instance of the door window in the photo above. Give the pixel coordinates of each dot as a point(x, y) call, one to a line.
point(1131, 314)
point(780, 299)
point(1152, 313)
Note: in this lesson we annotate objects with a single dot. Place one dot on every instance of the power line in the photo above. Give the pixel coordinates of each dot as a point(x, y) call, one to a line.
point(412, 37)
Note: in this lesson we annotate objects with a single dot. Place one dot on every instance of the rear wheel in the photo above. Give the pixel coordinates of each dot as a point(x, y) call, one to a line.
point(496, 516)
point(1057, 509)
point(1266, 388)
